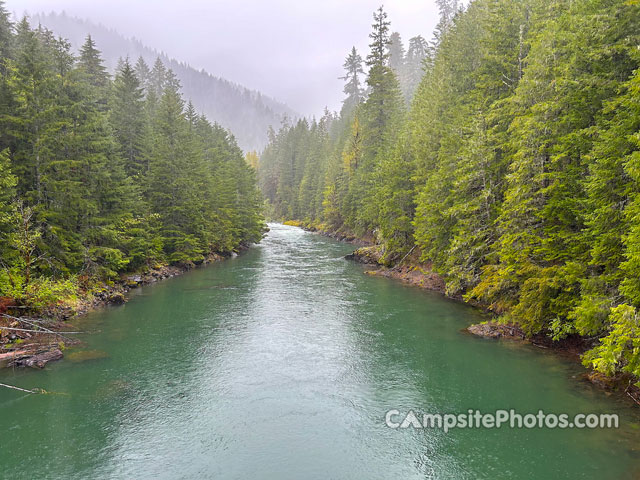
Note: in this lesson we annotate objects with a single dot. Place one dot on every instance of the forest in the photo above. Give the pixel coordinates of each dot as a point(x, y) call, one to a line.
point(246, 113)
point(101, 175)
point(511, 162)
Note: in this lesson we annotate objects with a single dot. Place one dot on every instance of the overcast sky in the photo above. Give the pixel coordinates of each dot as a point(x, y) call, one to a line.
point(292, 50)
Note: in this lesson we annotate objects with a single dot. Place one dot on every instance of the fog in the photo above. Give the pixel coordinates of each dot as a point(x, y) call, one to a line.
point(292, 50)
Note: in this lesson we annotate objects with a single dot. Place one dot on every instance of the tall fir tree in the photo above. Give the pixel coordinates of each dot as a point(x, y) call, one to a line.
point(353, 88)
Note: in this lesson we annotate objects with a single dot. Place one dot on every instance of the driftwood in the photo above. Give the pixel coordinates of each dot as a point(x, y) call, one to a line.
point(10, 355)
point(632, 397)
point(17, 388)
point(35, 323)
point(44, 330)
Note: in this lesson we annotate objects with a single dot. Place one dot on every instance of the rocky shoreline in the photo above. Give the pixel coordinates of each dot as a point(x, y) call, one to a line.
point(27, 341)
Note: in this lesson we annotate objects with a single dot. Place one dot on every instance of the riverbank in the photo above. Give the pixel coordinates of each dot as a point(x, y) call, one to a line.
point(410, 270)
point(36, 339)
point(341, 234)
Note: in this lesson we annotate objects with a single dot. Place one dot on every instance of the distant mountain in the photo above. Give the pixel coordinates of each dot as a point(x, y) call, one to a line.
point(247, 113)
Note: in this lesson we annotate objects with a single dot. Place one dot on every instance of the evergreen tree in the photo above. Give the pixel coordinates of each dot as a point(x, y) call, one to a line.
point(6, 34)
point(143, 73)
point(8, 182)
point(90, 62)
point(448, 10)
point(352, 89)
point(417, 59)
point(157, 78)
point(381, 116)
point(127, 117)
point(76, 157)
point(396, 54)
point(515, 175)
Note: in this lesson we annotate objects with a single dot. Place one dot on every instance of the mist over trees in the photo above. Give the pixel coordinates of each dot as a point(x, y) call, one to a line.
point(514, 170)
point(101, 175)
point(246, 113)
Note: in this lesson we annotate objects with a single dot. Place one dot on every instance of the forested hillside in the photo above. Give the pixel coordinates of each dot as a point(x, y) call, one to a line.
point(102, 175)
point(246, 113)
point(515, 170)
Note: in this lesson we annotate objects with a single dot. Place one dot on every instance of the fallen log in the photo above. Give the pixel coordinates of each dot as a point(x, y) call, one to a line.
point(10, 355)
point(37, 361)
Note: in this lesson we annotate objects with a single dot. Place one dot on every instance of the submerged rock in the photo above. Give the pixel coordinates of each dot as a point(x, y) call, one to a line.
point(86, 355)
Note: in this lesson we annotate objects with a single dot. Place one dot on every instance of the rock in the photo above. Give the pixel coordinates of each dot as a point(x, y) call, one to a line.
point(495, 330)
point(134, 281)
point(367, 255)
point(39, 360)
point(115, 298)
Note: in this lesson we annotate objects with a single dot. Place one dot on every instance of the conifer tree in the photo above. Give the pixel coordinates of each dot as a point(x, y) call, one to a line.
point(396, 53)
point(127, 118)
point(143, 73)
point(417, 59)
point(81, 189)
point(6, 34)
point(352, 89)
point(90, 62)
point(157, 78)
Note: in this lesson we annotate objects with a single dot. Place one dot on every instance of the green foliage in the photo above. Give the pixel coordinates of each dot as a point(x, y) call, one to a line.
point(620, 349)
point(516, 172)
point(41, 292)
point(98, 177)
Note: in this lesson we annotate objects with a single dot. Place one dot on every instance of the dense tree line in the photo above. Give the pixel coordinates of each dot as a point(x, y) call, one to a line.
point(515, 170)
point(247, 113)
point(100, 176)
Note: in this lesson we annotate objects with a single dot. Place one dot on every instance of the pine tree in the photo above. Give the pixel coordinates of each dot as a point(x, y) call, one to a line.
point(6, 34)
point(76, 156)
point(381, 116)
point(143, 73)
point(516, 175)
point(8, 183)
point(448, 10)
point(396, 54)
point(90, 62)
point(381, 107)
point(157, 78)
point(7, 101)
point(127, 118)
point(352, 89)
point(30, 122)
point(417, 59)
point(176, 171)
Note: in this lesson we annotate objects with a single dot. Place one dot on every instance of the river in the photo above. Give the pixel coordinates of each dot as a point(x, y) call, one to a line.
point(281, 364)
